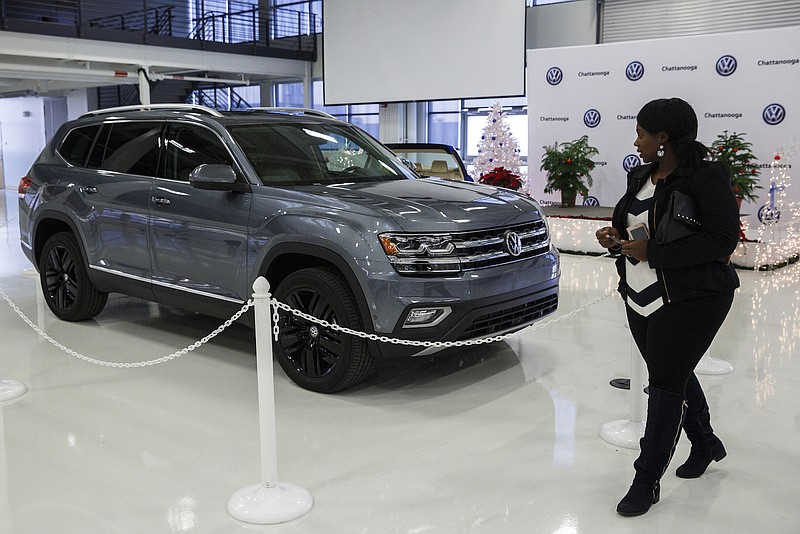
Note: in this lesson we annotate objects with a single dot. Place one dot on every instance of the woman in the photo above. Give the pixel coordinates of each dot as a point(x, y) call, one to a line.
point(677, 293)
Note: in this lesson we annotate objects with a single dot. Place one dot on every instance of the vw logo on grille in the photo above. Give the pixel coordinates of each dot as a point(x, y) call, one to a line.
point(554, 76)
point(591, 118)
point(726, 65)
point(634, 71)
point(630, 161)
point(774, 114)
point(513, 243)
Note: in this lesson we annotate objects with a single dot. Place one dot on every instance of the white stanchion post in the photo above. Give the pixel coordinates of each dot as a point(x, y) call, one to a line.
point(627, 432)
point(712, 366)
point(270, 501)
point(11, 389)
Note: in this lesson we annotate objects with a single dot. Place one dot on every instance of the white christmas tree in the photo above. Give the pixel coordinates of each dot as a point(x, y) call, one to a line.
point(497, 147)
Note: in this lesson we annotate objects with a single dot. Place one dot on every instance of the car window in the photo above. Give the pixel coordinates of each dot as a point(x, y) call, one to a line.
point(304, 154)
point(127, 147)
point(432, 162)
point(76, 145)
point(188, 146)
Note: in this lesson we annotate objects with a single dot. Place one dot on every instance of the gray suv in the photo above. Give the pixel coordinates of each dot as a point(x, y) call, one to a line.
point(187, 206)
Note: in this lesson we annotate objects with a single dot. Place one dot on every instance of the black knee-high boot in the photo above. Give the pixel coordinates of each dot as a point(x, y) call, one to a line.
point(706, 447)
point(664, 419)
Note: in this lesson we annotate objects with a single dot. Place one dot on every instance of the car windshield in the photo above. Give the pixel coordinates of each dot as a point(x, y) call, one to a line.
point(432, 162)
point(306, 154)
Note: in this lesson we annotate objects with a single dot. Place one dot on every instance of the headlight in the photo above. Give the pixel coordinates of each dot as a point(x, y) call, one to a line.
point(421, 254)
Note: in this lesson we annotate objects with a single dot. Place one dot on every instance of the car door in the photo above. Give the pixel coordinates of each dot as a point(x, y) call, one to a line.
point(114, 200)
point(198, 237)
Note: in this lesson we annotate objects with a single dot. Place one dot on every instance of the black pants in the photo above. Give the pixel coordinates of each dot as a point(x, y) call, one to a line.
point(673, 338)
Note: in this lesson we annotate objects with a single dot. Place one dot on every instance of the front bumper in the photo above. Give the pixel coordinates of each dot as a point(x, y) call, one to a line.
point(479, 318)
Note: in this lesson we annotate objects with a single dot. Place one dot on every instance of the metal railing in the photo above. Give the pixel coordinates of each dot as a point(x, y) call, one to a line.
point(218, 98)
point(236, 27)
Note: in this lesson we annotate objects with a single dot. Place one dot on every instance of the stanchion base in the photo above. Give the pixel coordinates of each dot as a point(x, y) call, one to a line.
point(712, 366)
point(623, 433)
point(262, 505)
point(621, 383)
point(11, 389)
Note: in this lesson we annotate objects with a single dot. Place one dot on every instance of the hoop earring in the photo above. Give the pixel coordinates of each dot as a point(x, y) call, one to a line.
point(660, 151)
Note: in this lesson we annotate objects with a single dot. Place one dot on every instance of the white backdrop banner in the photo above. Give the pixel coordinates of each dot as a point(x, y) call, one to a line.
point(744, 82)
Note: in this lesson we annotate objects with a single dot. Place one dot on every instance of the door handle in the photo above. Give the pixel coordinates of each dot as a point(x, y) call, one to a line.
point(161, 201)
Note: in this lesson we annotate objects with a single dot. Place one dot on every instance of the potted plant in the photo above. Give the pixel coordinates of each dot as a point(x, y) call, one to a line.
point(736, 154)
point(568, 166)
point(501, 177)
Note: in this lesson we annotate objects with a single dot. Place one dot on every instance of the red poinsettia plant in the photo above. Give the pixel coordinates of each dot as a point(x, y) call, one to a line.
point(501, 177)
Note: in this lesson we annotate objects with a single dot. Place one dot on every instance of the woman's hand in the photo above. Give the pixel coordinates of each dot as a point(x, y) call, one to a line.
point(635, 249)
point(608, 237)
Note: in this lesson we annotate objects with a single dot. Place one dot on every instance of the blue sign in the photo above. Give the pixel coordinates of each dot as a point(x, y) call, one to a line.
point(634, 71)
point(768, 216)
point(630, 161)
point(554, 76)
point(726, 65)
point(591, 118)
point(774, 114)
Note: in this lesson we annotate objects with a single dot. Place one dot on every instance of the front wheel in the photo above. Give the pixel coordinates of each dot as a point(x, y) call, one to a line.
point(68, 290)
point(316, 358)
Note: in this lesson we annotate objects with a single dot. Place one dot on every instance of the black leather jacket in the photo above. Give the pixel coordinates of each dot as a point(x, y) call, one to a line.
point(696, 265)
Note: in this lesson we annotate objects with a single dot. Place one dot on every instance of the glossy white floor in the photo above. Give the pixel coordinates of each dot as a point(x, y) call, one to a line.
point(500, 439)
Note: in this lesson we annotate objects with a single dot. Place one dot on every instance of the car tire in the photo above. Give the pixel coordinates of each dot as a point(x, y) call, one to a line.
point(316, 358)
point(64, 276)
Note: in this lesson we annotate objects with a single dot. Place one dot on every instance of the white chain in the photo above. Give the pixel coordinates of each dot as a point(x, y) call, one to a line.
point(591, 258)
point(437, 344)
point(276, 331)
point(123, 365)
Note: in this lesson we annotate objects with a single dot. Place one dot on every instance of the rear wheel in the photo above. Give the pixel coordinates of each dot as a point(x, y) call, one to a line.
point(316, 358)
point(64, 276)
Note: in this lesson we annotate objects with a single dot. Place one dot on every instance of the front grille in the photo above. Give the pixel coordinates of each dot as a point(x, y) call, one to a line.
point(485, 248)
point(477, 249)
point(509, 318)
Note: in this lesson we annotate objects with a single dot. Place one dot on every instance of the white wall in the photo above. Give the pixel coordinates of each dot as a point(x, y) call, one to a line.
point(22, 123)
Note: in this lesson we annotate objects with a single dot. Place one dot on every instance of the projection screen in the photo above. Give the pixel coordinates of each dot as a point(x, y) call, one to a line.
point(408, 50)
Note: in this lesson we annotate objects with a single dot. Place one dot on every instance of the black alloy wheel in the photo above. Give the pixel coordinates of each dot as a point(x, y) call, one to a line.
point(318, 358)
point(64, 276)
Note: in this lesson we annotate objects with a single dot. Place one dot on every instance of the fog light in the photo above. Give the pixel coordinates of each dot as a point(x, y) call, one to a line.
point(422, 317)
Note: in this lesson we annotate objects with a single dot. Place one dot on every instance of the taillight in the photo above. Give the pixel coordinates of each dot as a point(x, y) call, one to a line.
point(24, 184)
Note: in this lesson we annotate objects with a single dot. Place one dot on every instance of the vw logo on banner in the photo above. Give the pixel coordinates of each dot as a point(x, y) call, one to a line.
point(726, 65)
point(591, 201)
point(554, 76)
point(768, 216)
point(634, 71)
point(773, 114)
point(591, 118)
point(630, 161)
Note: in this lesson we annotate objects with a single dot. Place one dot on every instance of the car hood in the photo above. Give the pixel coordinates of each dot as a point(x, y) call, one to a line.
point(433, 204)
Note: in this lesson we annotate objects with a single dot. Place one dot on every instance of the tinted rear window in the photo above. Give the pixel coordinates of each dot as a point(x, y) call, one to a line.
point(77, 144)
point(128, 147)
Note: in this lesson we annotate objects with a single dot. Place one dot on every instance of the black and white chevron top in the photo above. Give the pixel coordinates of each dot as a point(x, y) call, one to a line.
point(645, 294)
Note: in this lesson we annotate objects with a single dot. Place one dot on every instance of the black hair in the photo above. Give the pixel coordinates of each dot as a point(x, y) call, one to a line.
point(678, 120)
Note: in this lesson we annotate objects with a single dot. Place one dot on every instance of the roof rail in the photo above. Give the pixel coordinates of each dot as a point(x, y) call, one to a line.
point(304, 111)
point(145, 107)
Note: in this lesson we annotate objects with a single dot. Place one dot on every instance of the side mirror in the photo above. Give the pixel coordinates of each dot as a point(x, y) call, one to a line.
point(214, 177)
